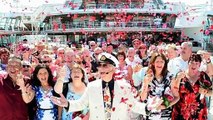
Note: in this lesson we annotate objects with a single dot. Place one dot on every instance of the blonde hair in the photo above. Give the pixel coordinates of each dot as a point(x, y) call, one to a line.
point(172, 46)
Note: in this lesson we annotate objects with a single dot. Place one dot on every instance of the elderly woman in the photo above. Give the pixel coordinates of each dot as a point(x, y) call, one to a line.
point(192, 85)
point(171, 51)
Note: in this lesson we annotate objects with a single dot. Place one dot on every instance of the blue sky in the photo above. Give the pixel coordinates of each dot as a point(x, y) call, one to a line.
point(8, 4)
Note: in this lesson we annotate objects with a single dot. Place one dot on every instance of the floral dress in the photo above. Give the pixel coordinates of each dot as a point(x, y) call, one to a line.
point(158, 89)
point(191, 106)
point(46, 110)
point(70, 115)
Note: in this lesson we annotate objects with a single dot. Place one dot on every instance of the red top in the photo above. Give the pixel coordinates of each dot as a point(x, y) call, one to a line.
point(12, 106)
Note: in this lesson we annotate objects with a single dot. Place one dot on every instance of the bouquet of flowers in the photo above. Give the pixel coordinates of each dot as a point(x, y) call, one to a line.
point(205, 84)
point(167, 97)
point(152, 102)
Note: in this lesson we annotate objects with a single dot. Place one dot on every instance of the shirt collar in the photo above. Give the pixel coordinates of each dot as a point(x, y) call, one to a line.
point(110, 83)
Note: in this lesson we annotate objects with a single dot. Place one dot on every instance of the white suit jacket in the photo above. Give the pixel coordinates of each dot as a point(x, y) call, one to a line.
point(123, 101)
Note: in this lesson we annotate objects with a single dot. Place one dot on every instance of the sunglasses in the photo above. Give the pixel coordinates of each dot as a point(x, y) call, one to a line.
point(47, 61)
point(25, 49)
point(102, 64)
point(92, 45)
point(142, 48)
point(25, 66)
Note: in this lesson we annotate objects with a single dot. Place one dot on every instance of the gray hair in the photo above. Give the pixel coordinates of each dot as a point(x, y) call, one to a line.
point(189, 44)
point(98, 48)
point(16, 59)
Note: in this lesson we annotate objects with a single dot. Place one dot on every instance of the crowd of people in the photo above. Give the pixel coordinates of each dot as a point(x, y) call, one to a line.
point(98, 82)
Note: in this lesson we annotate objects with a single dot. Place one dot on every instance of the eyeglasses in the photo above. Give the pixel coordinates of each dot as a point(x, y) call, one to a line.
point(12, 66)
point(102, 64)
point(25, 66)
point(92, 45)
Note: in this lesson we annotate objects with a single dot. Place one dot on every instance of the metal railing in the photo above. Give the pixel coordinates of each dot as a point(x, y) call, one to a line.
point(146, 5)
point(147, 24)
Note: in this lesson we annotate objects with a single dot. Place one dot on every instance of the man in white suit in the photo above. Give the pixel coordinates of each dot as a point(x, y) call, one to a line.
point(121, 96)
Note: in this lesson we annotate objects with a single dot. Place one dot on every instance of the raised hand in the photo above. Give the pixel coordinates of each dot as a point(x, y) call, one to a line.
point(155, 104)
point(61, 72)
point(137, 68)
point(180, 75)
point(149, 77)
point(20, 80)
point(60, 101)
point(206, 56)
point(29, 88)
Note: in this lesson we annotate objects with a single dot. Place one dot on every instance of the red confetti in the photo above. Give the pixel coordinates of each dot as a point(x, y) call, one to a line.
point(92, 18)
point(113, 109)
point(203, 22)
point(123, 100)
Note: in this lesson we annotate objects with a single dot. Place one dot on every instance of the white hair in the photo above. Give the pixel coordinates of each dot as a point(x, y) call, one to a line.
point(189, 44)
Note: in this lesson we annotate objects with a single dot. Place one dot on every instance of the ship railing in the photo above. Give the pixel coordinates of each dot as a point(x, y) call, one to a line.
point(147, 24)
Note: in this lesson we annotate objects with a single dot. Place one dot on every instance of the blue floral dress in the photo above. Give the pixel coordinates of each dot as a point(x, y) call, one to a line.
point(46, 110)
point(72, 96)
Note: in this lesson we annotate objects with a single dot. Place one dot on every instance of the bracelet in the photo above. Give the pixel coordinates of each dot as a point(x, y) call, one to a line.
point(208, 62)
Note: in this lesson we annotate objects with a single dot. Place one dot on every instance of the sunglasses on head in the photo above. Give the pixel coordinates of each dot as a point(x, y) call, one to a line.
point(25, 66)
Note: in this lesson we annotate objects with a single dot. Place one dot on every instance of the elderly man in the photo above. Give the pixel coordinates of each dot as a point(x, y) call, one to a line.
point(14, 94)
point(106, 98)
point(181, 63)
point(92, 45)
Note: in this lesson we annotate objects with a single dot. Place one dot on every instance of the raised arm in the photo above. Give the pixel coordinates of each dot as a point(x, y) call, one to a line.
point(145, 87)
point(26, 90)
point(72, 105)
point(175, 84)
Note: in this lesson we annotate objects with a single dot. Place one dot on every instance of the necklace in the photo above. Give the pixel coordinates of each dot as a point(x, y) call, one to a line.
point(46, 89)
